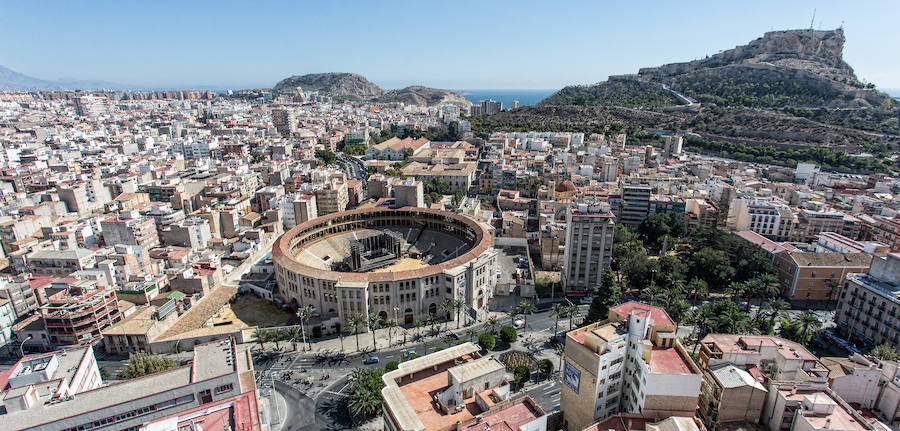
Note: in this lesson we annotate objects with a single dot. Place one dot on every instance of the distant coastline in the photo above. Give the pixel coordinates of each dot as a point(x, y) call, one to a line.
point(525, 97)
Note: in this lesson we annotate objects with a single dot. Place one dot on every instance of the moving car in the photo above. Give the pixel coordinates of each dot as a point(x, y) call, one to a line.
point(371, 360)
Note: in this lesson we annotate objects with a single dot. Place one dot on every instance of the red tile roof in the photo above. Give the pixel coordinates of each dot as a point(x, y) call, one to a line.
point(658, 316)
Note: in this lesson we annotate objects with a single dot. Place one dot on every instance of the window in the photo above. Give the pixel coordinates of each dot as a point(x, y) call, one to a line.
point(224, 388)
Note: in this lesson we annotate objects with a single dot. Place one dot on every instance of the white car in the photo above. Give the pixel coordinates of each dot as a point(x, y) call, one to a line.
point(518, 323)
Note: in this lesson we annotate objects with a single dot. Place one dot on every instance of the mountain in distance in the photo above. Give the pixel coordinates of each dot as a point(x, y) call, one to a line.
point(346, 86)
point(355, 87)
point(424, 96)
point(796, 68)
point(11, 80)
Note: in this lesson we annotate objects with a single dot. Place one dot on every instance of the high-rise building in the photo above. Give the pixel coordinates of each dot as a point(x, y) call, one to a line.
point(631, 362)
point(284, 121)
point(673, 145)
point(636, 201)
point(90, 106)
point(332, 197)
point(610, 169)
point(589, 242)
point(490, 106)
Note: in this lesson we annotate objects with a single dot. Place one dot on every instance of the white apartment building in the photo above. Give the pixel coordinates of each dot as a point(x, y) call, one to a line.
point(768, 217)
point(589, 241)
point(192, 150)
point(296, 209)
point(869, 303)
point(629, 363)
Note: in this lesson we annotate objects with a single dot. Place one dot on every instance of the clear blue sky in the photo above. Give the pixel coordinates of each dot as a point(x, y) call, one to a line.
point(454, 44)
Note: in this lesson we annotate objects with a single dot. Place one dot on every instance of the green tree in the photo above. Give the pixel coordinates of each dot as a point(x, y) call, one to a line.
point(885, 352)
point(390, 324)
point(545, 366)
point(326, 157)
point(521, 374)
point(391, 366)
point(809, 322)
point(471, 333)
point(508, 334)
point(492, 324)
point(372, 324)
point(305, 313)
point(713, 266)
point(356, 321)
point(605, 296)
point(294, 333)
point(557, 310)
point(678, 310)
point(365, 392)
point(572, 312)
point(104, 373)
point(486, 341)
point(142, 364)
point(262, 336)
point(526, 308)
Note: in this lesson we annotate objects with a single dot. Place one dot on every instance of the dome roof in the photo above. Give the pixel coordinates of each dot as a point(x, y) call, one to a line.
point(566, 187)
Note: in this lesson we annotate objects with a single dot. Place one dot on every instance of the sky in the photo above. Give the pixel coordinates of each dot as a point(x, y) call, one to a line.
point(462, 44)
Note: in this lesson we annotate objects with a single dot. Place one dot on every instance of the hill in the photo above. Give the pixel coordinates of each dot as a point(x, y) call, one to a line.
point(424, 96)
point(345, 86)
point(791, 68)
point(615, 92)
point(10, 80)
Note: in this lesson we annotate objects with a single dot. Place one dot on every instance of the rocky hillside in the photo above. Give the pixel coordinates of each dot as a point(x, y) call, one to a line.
point(423, 96)
point(615, 92)
point(797, 68)
point(348, 86)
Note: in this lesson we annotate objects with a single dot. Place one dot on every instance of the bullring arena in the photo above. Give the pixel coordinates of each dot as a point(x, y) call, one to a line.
point(394, 263)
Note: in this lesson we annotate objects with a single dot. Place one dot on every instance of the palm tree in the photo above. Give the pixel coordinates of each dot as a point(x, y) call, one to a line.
point(833, 287)
point(372, 323)
point(390, 324)
point(558, 309)
point(261, 335)
point(572, 312)
point(447, 307)
point(492, 324)
point(419, 325)
point(449, 340)
point(776, 307)
point(276, 335)
point(769, 287)
point(513, 313)
point(340, 331)
point(294, 333)
point(471, 333)
point(560, 350)
point(356, 321)
point(304, 313)
point(700, 317)
point(526, 308)
point(809, 320)
point(457, 305)
point(432, 319)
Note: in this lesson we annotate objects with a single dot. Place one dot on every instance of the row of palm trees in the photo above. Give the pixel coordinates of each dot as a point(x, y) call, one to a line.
point(291, 333)
point(563, 310)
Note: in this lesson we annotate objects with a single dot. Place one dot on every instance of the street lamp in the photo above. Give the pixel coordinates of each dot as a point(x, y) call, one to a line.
point(22, 345)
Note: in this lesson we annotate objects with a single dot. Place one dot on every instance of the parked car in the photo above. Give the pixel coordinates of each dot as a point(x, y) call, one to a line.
point(519, 323)
point(371, 360)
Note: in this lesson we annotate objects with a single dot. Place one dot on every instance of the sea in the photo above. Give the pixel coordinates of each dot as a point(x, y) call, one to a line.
point(525, 97)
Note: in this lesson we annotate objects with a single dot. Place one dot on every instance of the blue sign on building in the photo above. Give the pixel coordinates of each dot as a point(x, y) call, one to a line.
point(572, 377)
